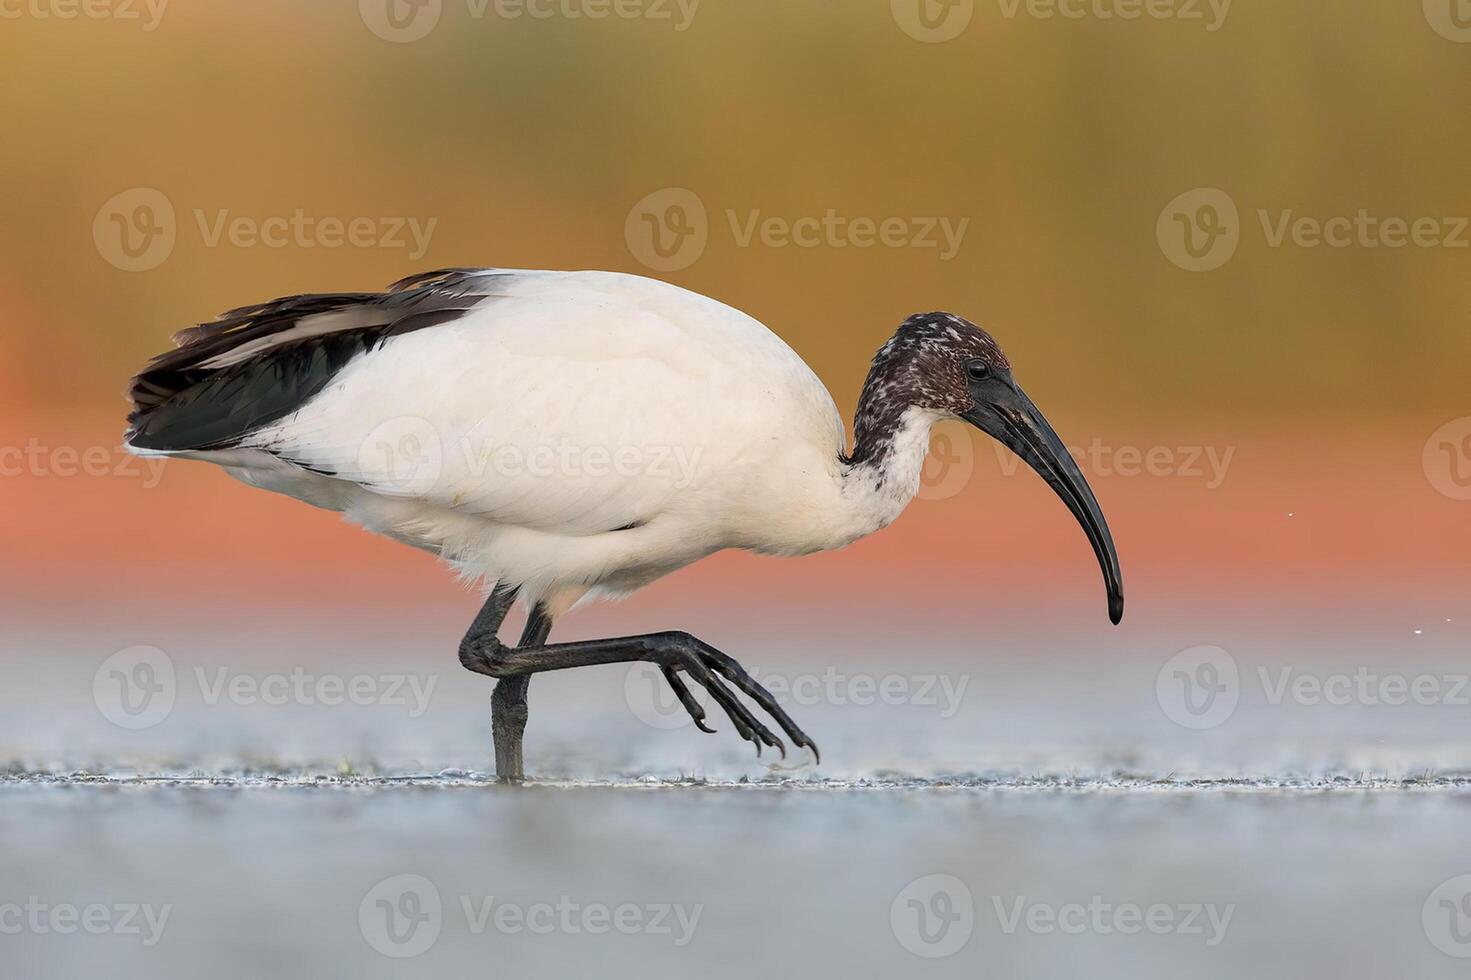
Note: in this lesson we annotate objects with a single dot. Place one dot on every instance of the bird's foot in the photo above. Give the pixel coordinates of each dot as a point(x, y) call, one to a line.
point(676, 653)
point(679, 652)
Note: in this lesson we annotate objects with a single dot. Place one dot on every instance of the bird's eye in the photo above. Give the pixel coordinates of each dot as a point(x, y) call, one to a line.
point(978, 370)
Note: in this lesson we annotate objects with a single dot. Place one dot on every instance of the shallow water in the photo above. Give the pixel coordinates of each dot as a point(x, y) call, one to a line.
point(1049, 816)
point(1048, 698)
point(341, 879)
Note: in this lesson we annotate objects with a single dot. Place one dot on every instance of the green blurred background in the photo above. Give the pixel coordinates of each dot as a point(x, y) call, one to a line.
point(530, 139)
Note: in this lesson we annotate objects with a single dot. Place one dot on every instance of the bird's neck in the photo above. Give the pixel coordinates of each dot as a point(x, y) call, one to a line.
point(882, 475)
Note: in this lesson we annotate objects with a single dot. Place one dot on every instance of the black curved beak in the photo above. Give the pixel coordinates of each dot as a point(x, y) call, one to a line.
point(1004, 412)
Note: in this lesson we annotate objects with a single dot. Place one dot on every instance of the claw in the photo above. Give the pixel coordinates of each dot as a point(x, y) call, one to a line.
point(757, 732)
point(698, 663)
point(733, 709)
point(697, 712)
point(732, 670)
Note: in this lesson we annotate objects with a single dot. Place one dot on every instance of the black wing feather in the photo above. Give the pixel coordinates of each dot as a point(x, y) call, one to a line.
point(180, 403)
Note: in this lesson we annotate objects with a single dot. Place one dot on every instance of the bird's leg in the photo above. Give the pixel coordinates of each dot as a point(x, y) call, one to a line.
point(672, 651)
point(508, 710)
point(508, 704)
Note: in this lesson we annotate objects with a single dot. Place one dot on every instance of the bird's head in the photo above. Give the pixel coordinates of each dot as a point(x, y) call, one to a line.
point(947, 365)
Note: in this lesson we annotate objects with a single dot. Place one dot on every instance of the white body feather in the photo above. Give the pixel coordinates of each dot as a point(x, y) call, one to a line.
point(583, 431)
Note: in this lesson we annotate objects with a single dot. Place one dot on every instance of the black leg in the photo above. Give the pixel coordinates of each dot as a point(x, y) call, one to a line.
point(508, 711)
point(483, 653)
point(508, 704)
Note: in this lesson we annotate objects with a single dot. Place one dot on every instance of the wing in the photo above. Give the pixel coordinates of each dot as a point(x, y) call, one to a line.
point(575, 402)
point(258, 363)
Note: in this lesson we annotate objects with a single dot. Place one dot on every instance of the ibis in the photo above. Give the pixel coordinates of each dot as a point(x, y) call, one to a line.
point(555, 436)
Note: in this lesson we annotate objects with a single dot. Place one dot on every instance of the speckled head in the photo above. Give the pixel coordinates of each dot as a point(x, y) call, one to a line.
point(928, 364)
point(946, 366)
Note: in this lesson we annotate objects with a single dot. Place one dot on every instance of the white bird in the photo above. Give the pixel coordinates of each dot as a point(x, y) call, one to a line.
point(556, 435)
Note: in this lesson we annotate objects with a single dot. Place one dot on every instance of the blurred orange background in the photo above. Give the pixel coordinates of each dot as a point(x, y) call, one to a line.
point(1326, 382)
